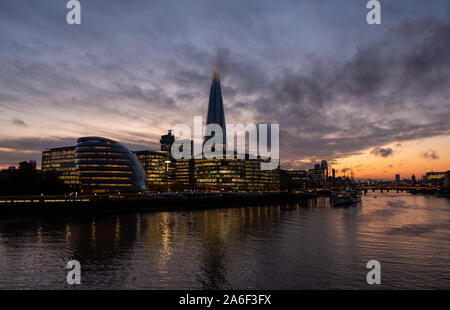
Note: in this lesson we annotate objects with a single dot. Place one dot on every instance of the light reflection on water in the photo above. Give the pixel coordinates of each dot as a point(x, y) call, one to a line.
point(308, 245)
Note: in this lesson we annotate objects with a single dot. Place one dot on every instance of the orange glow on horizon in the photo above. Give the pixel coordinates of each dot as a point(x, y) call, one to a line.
point(407, 158)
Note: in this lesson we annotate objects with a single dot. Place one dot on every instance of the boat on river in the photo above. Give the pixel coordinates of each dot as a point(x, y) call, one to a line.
point(346, 197)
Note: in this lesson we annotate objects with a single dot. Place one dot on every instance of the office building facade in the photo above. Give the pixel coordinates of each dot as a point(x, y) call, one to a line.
point(234, 175)
point(184, 178)
point(104, 165)
point(166, 141)
point(62, 162)
point(158, 169)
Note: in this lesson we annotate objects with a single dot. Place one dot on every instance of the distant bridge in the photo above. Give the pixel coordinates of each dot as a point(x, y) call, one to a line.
point(399, 188)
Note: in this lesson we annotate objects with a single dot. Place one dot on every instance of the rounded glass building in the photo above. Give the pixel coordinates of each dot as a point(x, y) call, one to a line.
point(104, 165)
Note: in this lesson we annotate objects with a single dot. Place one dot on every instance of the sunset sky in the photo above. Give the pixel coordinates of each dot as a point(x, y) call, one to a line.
point(372, 99)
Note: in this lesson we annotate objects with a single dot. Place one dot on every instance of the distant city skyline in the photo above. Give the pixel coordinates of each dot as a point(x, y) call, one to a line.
point(368, 99)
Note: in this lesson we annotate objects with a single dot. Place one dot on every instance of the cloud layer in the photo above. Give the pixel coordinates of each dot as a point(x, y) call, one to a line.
point(336, 85)
point(383, 152)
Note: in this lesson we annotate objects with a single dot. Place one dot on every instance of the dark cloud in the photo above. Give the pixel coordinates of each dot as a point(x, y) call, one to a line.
point(377, 97)
point(383, 152)
point(36, 143)
point(431, 154)
point(19, 122)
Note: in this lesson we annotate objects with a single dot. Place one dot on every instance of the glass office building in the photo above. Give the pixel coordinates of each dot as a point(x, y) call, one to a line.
point(61, 161)
point(158, 169)
point(184, 179)
point(105, 165)
point(235, 175)
point(258, 180)
point(219, 174)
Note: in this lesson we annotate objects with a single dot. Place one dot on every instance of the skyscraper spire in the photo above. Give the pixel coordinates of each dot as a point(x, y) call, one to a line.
point(216, 75)
point(216, 114)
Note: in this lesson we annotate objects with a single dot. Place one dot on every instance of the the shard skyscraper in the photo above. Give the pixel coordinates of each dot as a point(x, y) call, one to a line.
point(216, 114)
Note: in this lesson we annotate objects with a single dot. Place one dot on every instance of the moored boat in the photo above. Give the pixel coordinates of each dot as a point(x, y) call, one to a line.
point(346, 197)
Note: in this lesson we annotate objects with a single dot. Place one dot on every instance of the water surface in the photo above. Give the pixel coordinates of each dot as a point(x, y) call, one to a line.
point(308, 245)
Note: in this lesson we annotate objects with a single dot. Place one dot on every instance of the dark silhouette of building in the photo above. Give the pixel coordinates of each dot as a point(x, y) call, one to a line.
point(167, 141)
point(316, 177)
point(447, 180)
point(27, 165)
point(324, 167)
point(216, 114)
point(27, 180)
point(293, 180)
point(434, 178)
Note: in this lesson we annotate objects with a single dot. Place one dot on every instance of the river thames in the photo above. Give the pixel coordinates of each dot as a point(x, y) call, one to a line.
point(308, 245)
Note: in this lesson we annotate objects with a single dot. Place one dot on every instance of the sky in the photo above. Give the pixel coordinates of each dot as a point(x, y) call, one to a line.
point(372, 99)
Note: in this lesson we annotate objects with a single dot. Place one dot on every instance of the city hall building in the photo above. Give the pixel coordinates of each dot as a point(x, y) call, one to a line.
point(104, 165)
point(96, 165)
